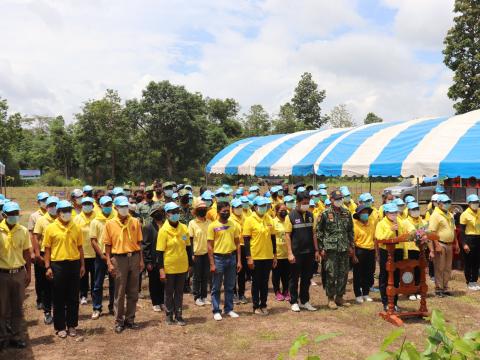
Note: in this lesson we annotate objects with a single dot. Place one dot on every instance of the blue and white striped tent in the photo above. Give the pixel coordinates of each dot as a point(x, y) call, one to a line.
point(445, 146)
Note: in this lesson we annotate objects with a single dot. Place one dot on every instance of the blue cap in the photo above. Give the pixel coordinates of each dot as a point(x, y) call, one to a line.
point(288, 198)
point(52, 200)
point(344, 190)
point(63, 204)
point(3, 201)
point(390, 207)
point(175, 196)
point(322, 187)
point(267, 194)
point(398, 202)
point(253, 188)
point(221, 191)
point(269, 201)
point(323, 192)
point(251, 197)
point(207, 195)
point(328, 202)
point(121, 201)
point(42, 196)
point(10, 206)
point(443, 198)
point(275, 189)
point(260, 201)
point(117, 191)
point(244, 199)
point(236, 203)
point(87, 188)
point(364, 197)
point(472, 198)
point(87, 200)
point(311, 203)
point(314, 193)
point(409, 199)
point(171, 206)
point(239, 191)
point(439, 189)
point(412, 205)
point(300, 189)
point(105, 199)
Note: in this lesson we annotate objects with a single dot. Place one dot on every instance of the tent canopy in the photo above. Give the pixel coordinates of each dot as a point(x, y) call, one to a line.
point(444, 146)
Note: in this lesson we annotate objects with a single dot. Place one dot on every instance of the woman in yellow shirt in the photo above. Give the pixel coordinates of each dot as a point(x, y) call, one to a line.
point(470, 224)
point(238, 218)
point(65, 266)
point(281, 273)
point(364, 257)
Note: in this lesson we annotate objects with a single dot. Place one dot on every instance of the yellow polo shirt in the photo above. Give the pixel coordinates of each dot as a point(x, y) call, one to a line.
point(239, 221)
point(212, 212)
point(260, 230)
point(63, 240)
point(173, 242)
point(123, 237)
point(97, 226)
point(197, 230)
point(32, 220)
point(363, 234)
point(83, 221)
point(13, 242)
point(246, 213)
point(443, 225)
point(471, 220)
point(41, 226)
point(351, 206)
point(223, 236)
point(281, 242)
point(383, 231)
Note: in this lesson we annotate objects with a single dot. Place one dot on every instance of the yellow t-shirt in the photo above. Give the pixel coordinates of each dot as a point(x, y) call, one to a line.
point(123, 237)
point(351, 206)
point(281, 242)
point(260, 229)
point(363, 234)
point(239, 221)
point(83, 221)
point(443, 225)
point(197, 230)
point(12, 244)
point(173, 242)
point(212, 212)
point(383, 231)
point(471, 220)
point(246, 213)
point(41, 226)
point(63, 240)
point(96, 228)
point(223, 236)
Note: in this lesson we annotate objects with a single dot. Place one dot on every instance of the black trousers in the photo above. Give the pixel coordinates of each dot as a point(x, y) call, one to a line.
point(201, 270)
point(281, 274)
point(156, 287)
point(415, 255)
point(174, 293)
point(302, 270)
point(87, 282)
point(472, 259)
point(38, 269)
point(66, 283)
point(260, 276)
point(363, 271)
point(46, 287)
point(383, 277)
point(242, 275)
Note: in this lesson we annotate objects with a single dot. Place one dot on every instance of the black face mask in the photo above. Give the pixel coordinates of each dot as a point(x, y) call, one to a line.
point(149, 195)
point(283, 213)
point(224, 216)
point(157, 216)
point(139, 199)
point(285, 191)
point(201, 212)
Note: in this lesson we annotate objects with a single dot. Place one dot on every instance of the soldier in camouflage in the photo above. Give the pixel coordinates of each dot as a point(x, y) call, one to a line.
point(145, 207)
point(335, 242)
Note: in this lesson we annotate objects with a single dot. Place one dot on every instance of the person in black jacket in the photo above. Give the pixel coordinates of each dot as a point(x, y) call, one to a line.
point(149, 245)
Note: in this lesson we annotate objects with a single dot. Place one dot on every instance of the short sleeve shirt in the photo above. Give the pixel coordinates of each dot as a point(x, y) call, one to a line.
point(443, 225)
point(63, 240)
point(223, 236)
point(123, 237)
point(12, 244)
point(259, 229)
point(281, 243)
point(197, 230)
point(32, 220)
point(173, 241)
point(471, 220)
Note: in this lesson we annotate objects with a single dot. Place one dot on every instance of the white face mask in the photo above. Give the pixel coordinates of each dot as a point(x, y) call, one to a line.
point(238, 211)
point(43, 204)
point(305, 207)
point(87, 209)
point(122, 211)
point(338, 203)
point(52, 211)
point(66, 216)
point(415, 213)
point(474, 206)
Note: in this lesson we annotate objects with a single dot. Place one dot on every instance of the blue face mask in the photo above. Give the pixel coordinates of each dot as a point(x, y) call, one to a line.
point(238, 196)
point(208, 203)
point(87, 209)
point(190, 202)
point(290, 205)
point(364, 217)
point(107, 210)
point(280, 193)
point(262, 210)
point(316, 200)
point(169, 193)
point(222, 199)
point(174, 217)
point(12, 220)
point(368, 204)
point(245, 205)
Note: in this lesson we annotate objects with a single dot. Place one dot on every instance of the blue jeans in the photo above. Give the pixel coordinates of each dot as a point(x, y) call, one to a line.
point(226, 271)
point(97, 296)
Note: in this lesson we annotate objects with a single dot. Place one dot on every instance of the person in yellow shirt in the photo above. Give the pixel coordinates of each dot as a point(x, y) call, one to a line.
point(175, 260)
point(402, 209)
point(122, 238)
point(470, 224)
point(97, 226)
point(431, 207)
point(224, 253)
point(366, 199)
point(364, 256)
point(83, 220)
point(238, 218)
point(246, 207)
point(277, 196)
point(387, 197)
point(260, 250)
point(15, 275)
point(442, 223)
point(281, 273)
point(197, 230)
point(39, 250)
point(76, 197)
point(348, 202)
point(97, 195)
point(65, 266)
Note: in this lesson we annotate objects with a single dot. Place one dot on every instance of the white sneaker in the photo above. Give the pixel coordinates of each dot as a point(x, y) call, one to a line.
point(217, 316)
point(233, 314)
point(206, 301)
point(199, 302)
point(308, 306)
point(419, 297)
point(157, 308)
point(83, 301)
point(412, 297)
point(295, 307)
point(472, 286)
point(367, 298)
point(477, 287)
point(359, 299)
point(95, 315)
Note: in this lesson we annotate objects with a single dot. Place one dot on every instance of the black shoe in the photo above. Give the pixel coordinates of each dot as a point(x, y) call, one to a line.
point(18, 344)
point(119, 329)
point(132, 326)
point(48, 319)
point(180, 321)
point(39, 306)
point(447, 293)
point(187, 289)
point(169, 320)
point(439, 294)
point(111, 311)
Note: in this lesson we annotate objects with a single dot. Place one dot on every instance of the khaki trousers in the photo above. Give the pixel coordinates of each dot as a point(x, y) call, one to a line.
point(127, 272)
point(12, 295)
point(442, 264)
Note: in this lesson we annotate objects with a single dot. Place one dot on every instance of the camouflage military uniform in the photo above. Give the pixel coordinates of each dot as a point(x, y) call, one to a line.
point(185, 215)
point(335, 236)
point(144, 209)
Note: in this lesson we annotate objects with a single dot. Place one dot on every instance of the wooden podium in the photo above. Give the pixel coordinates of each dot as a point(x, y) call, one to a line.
point(407, 280)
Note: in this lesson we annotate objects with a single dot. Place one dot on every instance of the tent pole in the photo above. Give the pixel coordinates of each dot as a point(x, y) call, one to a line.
point(418, 190)
point(370, 184)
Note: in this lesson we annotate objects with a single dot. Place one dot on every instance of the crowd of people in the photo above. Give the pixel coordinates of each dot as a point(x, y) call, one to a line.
point(217, 240)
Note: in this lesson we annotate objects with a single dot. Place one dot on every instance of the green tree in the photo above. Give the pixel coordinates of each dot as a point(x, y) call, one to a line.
point(340, 117)
point(462, 56)
point(61, 150)
point(257, 121)
point(224, 113)
point(11, 135)
point(286, 121)
point(306, 103)
point(372, 118)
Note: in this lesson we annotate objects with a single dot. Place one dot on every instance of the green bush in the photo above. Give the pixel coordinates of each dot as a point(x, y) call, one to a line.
point(53, 178)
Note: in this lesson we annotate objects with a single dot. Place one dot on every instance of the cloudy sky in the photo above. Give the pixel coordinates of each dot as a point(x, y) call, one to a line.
point(383, 56)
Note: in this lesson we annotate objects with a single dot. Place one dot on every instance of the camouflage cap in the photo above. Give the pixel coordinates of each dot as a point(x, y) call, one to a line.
point(168, 184)
point(183, 192)
point(149, 188)
point(336, 195)
point(127, 187)
point(156, 207)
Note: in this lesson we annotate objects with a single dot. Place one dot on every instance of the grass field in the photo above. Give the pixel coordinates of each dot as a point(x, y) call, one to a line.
point(361, 329)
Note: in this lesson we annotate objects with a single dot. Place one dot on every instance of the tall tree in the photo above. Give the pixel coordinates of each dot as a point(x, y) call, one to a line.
point(340, 117)
point(224, 113)
point(306, 102)
point(61, 146)
point(286, 121)
point(257, 121)
point(462, 56)
point(372, 118)
point(11, 135)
